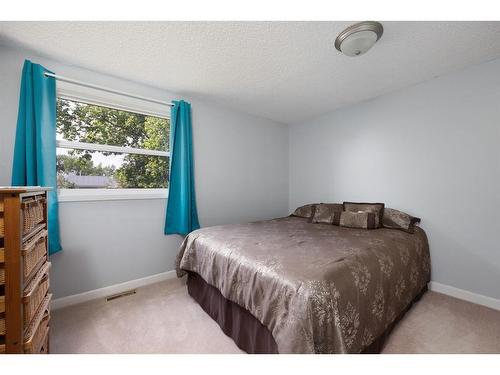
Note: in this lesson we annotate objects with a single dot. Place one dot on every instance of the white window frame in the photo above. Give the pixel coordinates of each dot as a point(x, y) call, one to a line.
point(114, 101)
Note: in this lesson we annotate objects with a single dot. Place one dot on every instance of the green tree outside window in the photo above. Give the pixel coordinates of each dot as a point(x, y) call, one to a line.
point(95, 124)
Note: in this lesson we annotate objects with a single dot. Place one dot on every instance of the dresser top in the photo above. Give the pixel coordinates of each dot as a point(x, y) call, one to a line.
point(22, 189)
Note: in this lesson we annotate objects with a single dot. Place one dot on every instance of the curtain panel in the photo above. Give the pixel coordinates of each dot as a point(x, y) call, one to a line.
point(182, 214)
point(34, 161)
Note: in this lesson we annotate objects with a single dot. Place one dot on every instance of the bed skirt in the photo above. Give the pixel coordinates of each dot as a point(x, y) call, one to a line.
point(247, 332)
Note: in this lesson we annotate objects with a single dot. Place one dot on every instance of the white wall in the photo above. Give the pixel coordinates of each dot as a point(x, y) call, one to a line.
point(241, 172)
point(432, 150)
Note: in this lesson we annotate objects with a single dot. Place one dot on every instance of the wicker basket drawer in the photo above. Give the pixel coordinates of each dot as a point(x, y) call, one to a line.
point(2, 226)
point(34, 253)
point(35, 344)
point(2, 276)
point(33, 210)
point(35, 292)
point(45, 344)
point(2, 325)
point(37, 331)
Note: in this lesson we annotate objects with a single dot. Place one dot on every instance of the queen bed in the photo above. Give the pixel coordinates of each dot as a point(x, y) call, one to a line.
point(292, 285)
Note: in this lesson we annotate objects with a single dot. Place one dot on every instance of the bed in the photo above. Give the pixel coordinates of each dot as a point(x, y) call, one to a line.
point(290, 286)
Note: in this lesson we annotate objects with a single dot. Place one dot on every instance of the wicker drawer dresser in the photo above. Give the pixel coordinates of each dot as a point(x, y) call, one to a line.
point(24, 271)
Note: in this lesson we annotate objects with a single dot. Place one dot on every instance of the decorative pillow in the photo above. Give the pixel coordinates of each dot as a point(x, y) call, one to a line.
point(377, 208)
point(327, 213)
point(395, 219)
point(306, 211)
point(362, 219)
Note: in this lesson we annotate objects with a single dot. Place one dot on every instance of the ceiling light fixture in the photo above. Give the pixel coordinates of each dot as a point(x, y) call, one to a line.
point(357, 39)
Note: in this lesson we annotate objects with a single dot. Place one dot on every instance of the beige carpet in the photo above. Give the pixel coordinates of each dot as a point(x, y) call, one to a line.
point(162, 318)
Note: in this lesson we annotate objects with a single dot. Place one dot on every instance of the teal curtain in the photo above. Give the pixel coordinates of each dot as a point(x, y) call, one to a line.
point(182, 216)
point(35, 147)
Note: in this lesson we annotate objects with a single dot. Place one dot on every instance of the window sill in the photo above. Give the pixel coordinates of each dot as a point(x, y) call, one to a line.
point(89, 195)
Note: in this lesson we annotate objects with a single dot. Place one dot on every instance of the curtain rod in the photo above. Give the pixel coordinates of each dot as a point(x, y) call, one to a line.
point(107, 89)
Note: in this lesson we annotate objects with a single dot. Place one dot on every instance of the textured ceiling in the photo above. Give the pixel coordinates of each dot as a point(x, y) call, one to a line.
point(285, 71)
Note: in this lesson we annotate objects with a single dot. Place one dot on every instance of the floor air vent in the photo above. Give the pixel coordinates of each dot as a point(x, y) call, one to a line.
point(119, 295)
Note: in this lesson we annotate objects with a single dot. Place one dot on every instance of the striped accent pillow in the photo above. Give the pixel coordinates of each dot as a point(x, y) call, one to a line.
point(361, 220)
point(376, 208)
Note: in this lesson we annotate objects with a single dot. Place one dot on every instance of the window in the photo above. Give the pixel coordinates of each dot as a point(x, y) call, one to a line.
point(102, 151)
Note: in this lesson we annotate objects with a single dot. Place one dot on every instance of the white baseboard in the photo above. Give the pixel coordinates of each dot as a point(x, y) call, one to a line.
point(109, 290)
point(465, 295)
point(132, 284)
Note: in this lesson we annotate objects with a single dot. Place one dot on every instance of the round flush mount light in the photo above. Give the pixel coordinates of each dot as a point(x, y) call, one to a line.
point(359, 38)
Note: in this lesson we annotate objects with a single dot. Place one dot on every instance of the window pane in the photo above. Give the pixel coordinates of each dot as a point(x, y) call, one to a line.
point(80, 169)
point(95, 124)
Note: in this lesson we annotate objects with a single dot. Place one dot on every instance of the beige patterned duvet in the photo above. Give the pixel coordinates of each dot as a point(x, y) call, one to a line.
point(318, 288)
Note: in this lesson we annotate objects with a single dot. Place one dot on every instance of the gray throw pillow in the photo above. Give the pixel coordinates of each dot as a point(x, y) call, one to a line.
point(306, 211)
point(327, 213)
point(395, 219)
